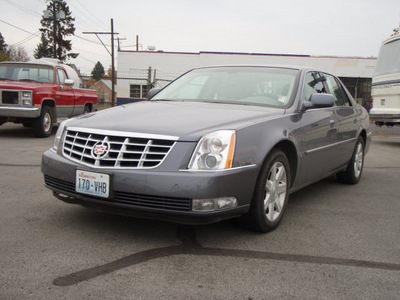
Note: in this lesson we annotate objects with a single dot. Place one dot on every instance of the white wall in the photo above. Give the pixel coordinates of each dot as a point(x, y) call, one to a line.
point(169, 65)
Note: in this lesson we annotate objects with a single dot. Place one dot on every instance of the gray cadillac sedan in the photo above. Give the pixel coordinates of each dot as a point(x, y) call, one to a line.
point(216, 143)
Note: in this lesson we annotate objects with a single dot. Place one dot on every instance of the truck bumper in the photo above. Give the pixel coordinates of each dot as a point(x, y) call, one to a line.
point(385, 119)
point(19, 112)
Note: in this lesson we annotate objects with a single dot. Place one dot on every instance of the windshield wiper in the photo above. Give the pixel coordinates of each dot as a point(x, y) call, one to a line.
point(165, 100)
point(27, 80)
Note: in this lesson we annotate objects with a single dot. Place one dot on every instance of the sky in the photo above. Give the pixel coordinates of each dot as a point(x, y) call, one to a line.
point(307, 27)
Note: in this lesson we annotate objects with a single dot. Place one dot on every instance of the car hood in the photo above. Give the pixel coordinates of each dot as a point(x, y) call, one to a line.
point(186, 120)
point(20, 85)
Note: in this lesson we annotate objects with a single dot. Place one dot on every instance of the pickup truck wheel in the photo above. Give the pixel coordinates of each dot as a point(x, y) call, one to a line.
point(271, 193)
point(355, 167)
point(43, 125)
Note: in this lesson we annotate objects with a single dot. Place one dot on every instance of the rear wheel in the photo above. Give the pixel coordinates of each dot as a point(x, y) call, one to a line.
point(271, 194)
point(355, 167)
point(43, 125)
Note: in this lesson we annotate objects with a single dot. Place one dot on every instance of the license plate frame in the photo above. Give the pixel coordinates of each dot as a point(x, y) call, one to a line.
point(92, 183)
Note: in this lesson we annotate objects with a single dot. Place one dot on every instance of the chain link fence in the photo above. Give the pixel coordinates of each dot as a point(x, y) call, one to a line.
point(127, 88)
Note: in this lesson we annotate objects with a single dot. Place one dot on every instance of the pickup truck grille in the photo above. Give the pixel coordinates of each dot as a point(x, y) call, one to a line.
point(108, 149)
point(9, 97)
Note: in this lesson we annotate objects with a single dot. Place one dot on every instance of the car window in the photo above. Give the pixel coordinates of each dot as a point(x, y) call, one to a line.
point(314, 84)
point(336, 90)
point(61, 76)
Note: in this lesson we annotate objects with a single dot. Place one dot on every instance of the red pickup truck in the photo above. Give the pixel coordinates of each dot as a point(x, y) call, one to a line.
point(37, 93)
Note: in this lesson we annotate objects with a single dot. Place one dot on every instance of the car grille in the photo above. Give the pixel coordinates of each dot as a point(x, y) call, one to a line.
point(116, 150)
point(137, 200)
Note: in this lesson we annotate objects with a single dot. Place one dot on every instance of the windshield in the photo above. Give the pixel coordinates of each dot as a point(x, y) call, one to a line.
point(239, 85)
point(388, 59)
point(27, 72)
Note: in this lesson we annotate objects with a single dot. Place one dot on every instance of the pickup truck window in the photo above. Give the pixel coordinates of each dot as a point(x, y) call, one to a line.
point(27, 72)
point(61, 76)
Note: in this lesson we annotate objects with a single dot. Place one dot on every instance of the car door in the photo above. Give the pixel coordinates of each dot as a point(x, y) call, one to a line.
point(65, 99)
point(319, 134)
point(347, 119)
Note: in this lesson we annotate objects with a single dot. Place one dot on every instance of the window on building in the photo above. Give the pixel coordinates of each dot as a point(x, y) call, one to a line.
point(138, 91)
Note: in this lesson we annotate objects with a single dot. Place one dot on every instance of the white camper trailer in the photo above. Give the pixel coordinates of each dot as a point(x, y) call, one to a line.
point(385, 92)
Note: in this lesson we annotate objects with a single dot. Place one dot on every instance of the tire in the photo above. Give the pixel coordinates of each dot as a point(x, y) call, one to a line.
point(271, 193)
point(86, 110)
point(355, 167)
point(43, 125)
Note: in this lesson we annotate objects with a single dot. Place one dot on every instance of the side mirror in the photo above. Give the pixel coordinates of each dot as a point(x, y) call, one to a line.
point(152, 93)
point(69, 82)
point(318, 101)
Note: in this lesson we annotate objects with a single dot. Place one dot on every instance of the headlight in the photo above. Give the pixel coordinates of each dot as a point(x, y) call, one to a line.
point(26, 98)
point(214, 151)
point(59, 134)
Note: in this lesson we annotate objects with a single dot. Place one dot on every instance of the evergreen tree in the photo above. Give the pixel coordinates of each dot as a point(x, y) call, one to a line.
point(43, 49)
point(98, 71)
point(3, 45)
point(3, 49)
point(56, 26)
point(4, 57)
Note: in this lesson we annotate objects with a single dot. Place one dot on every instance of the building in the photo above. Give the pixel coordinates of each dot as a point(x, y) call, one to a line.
point(139, 71)
point(104, 90)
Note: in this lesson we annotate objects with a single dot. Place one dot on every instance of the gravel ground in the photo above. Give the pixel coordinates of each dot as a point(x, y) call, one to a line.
point(384, 130)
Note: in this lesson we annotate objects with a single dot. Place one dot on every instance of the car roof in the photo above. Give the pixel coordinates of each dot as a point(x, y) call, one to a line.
point(42, 61)
point(291, 67)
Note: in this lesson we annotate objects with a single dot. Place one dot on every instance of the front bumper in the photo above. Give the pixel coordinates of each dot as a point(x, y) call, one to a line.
point(153, 194)
point(19, 112)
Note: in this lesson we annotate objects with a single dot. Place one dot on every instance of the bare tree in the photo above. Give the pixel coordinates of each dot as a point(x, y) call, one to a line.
point(17, 53)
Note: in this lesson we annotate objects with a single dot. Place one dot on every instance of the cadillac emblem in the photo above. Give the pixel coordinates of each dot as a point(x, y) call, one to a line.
point(100, 150)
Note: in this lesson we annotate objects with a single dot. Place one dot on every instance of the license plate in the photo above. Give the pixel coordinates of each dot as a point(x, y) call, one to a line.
point(95, 184)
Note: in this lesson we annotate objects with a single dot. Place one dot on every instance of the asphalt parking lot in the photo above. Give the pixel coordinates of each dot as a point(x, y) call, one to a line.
point(335, 242)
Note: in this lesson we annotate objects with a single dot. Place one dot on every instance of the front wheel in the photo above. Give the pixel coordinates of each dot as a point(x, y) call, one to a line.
point(43, 125)
point(354, 169)
point(271, 194)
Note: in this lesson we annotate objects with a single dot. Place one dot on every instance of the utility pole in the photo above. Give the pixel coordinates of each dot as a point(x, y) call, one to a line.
point(54, 30)
point(56, 15)
point(112, 65)
point(112, 57)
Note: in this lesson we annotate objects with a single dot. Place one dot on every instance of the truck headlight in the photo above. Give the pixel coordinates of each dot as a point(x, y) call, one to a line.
point(214, 151)
point(26, 98)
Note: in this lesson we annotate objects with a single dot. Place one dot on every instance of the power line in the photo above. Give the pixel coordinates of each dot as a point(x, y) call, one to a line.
point(16, 27)
point(89, 16)
point(27, 39)
point(22, 7)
